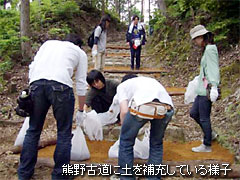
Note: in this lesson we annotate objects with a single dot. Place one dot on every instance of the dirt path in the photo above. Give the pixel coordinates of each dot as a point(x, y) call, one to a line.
point(182, 133)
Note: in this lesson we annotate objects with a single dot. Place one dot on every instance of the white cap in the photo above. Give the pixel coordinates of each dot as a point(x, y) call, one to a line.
point(198, 30)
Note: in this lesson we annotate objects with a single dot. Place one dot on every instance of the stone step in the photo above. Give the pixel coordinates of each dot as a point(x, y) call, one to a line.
point(109, 46)
point(173, 132)
point(117, 64)
point(120, 55)
point(134, 71)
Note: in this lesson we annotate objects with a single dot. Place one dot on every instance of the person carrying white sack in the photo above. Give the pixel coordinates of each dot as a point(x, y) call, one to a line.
point(100, 41)
point(207, 91)
point(142, 99)
point(51, 84)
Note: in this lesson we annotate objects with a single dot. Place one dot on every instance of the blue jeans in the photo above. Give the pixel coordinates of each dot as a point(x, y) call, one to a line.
point(200, 112)
point(129, 131)
point(45, 93)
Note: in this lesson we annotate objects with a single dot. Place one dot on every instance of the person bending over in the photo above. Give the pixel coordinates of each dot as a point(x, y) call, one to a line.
point(142, 99)
point(101, 93)
point(51, 84)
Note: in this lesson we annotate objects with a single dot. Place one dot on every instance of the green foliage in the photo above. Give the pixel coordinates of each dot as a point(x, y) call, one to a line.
point(135, 11)
point(220, 17)
point(52, 11)
point(158, 21)
point(59, 32)
point(229, 75)
point(9, 34)
point(5, 66)
point(67, 9)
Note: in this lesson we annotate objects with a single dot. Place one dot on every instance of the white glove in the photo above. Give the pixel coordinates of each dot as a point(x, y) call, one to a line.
point(213, 94)
point(79, 118)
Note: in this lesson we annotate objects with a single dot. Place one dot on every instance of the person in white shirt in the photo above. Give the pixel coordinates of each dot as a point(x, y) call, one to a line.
point(100, 41)
point(51, 85)
point(142, 99)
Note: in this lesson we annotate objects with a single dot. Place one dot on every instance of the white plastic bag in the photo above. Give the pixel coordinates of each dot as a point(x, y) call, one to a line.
point(21, 135)
point(110, 116)
point(94, 52)
point(92, 126)
point(190, 93)
point(113, 150)
point(79, 149)
point(140, 149)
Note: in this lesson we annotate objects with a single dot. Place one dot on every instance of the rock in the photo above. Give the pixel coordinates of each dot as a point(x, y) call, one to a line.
point(180, 113)
point(6, 76)
point(12, 88)
point(115, 132)
point(237, 158)
point(106, 131)
point(174, 133)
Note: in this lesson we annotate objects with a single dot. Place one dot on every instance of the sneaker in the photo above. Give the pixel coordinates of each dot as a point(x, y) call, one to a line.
point(114, 177)
point(202, 148)
point(214, 136)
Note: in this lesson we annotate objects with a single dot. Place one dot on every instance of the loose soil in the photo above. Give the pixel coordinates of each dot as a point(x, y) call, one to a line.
point(173, 151)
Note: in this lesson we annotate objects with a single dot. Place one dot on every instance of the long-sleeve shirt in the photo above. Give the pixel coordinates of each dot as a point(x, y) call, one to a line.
point(107, 93)
point(210, 68)
point(57, 60)
point(102, 39)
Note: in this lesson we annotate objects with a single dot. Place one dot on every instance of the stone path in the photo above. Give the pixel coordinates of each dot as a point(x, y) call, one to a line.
point(117, 64)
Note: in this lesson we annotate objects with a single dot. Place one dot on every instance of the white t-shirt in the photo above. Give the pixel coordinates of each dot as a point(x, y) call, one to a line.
point(56, 60)
point(142, 90)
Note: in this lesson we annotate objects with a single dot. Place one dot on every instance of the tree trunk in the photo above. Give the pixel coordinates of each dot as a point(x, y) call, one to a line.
point(149, 5)
point(4, 4)
point(25, 30)
point(129, 11)
point(142, 10)
point(103, 7)
point(117, 6)
point(162, 6)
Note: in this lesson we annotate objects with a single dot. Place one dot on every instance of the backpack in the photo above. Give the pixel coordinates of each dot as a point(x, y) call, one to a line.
point(91, 38)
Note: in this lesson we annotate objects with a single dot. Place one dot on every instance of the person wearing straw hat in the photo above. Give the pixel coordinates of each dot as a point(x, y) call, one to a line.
point(209, 79)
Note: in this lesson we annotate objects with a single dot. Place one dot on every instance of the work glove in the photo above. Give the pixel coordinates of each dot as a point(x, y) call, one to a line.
point(213, 93)
point(79, 118)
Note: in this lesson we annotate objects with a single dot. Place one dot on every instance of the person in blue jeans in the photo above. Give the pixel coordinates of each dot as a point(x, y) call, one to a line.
point(134, 95)
point(51, 85)
point(135, 37)
point(206, 91)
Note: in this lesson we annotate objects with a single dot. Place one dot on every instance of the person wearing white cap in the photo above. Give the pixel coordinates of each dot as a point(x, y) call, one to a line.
point(209, 79)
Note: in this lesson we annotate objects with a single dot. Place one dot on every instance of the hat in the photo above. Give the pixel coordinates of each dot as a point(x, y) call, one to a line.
point(198, 30)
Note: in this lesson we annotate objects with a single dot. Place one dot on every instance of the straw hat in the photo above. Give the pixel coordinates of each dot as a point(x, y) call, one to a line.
point(198, 30)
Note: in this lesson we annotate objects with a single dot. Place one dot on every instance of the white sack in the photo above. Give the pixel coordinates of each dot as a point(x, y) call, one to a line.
point(140, 149)
point(79, 149)
point(190, 93)
point(110, 116)
point(92, 126)
point(21, 135)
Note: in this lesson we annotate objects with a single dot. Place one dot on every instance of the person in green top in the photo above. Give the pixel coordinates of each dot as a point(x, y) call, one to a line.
point(101, 93)
point(209, 75)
